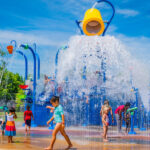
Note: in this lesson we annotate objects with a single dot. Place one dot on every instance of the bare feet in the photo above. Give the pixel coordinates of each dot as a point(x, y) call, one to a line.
point(103, 135)
point(48, 148)
point(126, 133)
point(69, 146)
point(105, 140)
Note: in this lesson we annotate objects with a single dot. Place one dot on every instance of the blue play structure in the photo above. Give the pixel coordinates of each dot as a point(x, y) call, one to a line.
point(96, 98)
point(131, 111)
point(80, 110)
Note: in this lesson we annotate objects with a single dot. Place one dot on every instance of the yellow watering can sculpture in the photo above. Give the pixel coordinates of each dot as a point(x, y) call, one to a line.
point(93, 23)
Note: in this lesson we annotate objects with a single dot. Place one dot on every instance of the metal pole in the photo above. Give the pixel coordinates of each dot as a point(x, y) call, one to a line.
point(108, 23)
point(136, 112)
point(142, 120)
point(38, 59)
point(132, 124)
point(34, 80)
point(26, 63)
point(78, 24)
point(15, 43)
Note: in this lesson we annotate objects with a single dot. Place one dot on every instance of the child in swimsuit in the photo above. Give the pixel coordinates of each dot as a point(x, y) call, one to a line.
point(60, 123)
point(105, 121)
point(106, 105)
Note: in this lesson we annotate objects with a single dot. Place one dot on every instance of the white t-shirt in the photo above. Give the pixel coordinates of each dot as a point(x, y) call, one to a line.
point(10, 118)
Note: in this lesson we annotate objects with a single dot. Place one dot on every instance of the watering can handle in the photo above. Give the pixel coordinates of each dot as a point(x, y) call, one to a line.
point(106, 1)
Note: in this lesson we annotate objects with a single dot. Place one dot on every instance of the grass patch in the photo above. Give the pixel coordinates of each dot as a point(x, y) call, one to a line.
point(20, 116)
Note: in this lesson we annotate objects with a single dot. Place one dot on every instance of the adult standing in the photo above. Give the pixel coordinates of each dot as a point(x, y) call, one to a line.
point(118, 114)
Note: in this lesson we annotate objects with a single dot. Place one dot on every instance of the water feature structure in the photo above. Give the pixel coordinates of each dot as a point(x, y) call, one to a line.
point(108, 78)
point(88, 71)
point(92, 24)
point(30, 93)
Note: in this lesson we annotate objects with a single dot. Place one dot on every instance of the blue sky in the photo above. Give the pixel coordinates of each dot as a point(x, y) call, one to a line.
point(50, 23)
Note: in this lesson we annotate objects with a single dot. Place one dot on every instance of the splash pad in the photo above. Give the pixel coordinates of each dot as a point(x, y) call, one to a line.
point(89, 70)
point(98, 68)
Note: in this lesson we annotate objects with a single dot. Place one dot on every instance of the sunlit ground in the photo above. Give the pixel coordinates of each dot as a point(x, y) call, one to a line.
point(83, 138)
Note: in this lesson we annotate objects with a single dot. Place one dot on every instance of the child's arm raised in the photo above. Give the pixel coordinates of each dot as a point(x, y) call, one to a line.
point(48, 122)
point(51, 108)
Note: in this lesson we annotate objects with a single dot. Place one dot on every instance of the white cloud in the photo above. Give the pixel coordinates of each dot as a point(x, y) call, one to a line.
point(127, 12)
point(41, 38)
point(47, 44)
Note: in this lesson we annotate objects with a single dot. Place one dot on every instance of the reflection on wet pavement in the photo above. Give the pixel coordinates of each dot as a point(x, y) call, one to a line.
point(38, 140)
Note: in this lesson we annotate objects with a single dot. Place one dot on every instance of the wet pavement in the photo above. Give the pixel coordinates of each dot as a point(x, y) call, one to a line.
point(82, 139)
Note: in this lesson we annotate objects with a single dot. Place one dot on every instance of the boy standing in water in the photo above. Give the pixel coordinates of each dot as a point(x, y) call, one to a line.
point(27, 118)
point(60, 123)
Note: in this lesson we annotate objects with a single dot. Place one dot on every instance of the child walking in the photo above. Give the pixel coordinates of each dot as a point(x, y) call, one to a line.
point(60, 123)
point(27, 118)
point(105, 121)
point(10, 130)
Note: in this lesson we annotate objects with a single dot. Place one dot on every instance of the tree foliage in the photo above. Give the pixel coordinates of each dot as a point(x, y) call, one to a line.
point(19, 101)
point(9, 86)
point(2, 59)
point(9, 82)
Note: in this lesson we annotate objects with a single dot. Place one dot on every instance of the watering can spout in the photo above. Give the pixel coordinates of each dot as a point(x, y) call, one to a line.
point(92, 23)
